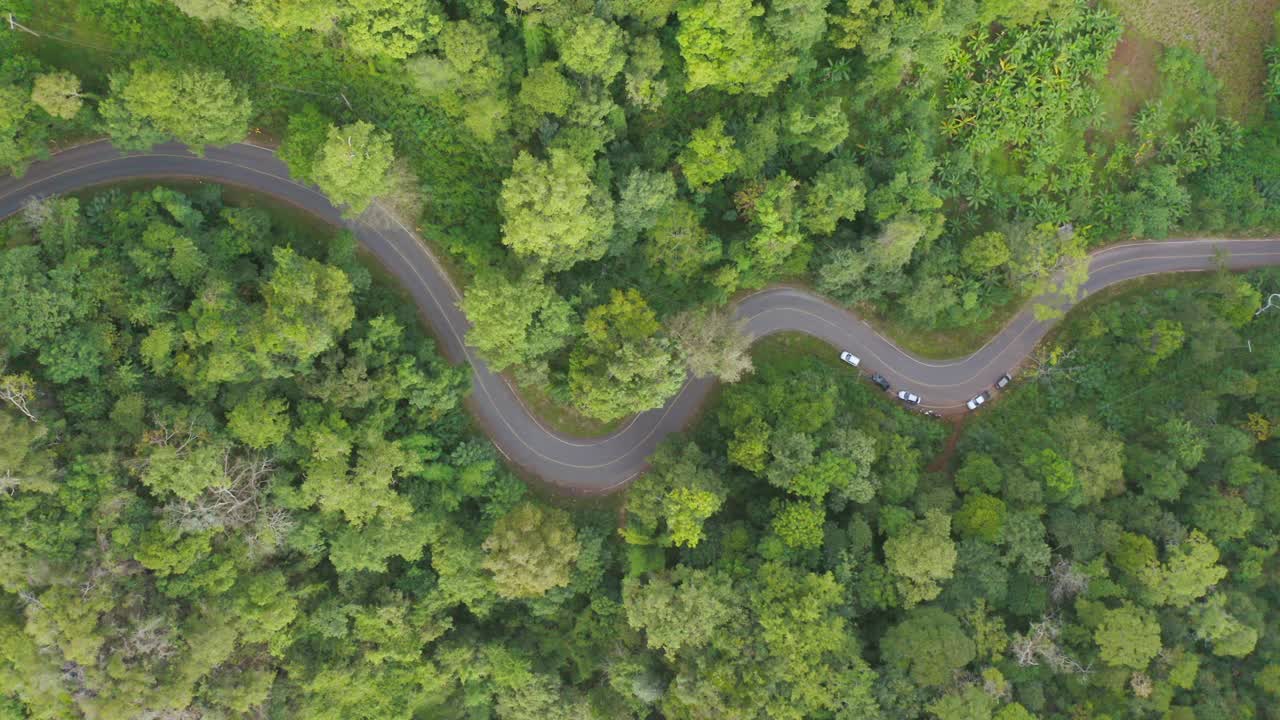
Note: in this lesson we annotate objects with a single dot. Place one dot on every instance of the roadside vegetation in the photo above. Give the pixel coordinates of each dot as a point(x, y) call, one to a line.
point(630, 166)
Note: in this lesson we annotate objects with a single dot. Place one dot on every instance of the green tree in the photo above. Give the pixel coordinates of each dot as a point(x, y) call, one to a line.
point(259, 421)
point(20, 137)
point(680, 610)
point(1128, 636)
point(799, 524)
point(1057, 475)
point(710, 156)
point(929, 645)
point(1214, 623)
point(553, 212)
point(678, 242)
point(531, 550)
point(546, 90)
point(308, 306)
point(1096, 455)
point(969, 703)
point(670, 503)
point(838, 193)
point(594, 47)
point(819, 126)
point(981, 516)
point(58, 94)
point(779, 239)
point(725, 47)
point(893, 248)
point(644, 88)
point(1161, 341)
point(979, 472)
point(622, 365)
point(1189, 572)
point(519, 323)
point(393, 29)
point(304, 138)
point(184, 471)
point(353, 165)
point(147, 105)
point(985, 252)
point(644, 199)
point(921, 556)
point(24, 463)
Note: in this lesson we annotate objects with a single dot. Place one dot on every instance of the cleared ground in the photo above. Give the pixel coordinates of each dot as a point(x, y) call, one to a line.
point(1230, 34)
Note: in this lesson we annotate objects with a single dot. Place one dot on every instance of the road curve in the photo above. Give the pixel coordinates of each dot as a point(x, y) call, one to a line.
point(600, 465)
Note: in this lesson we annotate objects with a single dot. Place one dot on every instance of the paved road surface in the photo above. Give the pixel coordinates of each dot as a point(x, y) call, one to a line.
point(599, 465)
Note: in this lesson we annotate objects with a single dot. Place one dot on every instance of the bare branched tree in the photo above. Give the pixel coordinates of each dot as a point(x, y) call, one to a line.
point(1050, 363)
point(1065, 581)
point(235, 502)
point(36, 212)
point(1040, 646)
point(239, 501)
point(150, 638)
point(179, 434)
point(714, 343)
point(20, 392)
point(1141, 685)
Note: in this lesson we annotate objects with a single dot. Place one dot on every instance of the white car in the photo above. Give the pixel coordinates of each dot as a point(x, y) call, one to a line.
point(909, 398)
point(977, 401)
point(1003, 381)
point(850, 358)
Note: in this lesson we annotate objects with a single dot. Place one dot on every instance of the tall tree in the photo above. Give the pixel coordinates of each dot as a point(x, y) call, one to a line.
point(921, 555)
point(519, 323)
point(149, 104)
point(1128, 636)
point(710, 156)
point(531, 550)
point(725, 46)
point(670, 502)
point(553, 212)
point(623, 365)
point(353, 165)
point(58, 94)
point(929, 645)
point(679, 244)
point(680, 610)
point(594, 47)
point(393, 29)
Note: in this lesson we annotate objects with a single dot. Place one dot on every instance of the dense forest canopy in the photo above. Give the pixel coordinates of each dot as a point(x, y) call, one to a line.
point(237, 480)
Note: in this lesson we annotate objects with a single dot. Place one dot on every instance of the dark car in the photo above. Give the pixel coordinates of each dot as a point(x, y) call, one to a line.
point(1003, 381)
point(879, 380)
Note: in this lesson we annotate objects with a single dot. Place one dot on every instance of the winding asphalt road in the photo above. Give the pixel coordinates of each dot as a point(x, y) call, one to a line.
point(600, 465)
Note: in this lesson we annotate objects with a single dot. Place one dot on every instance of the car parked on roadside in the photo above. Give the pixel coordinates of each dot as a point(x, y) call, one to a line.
point(850, 358)
point(977, 401)
point(909, 398)
point(879, 380)
point(1003, 381)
